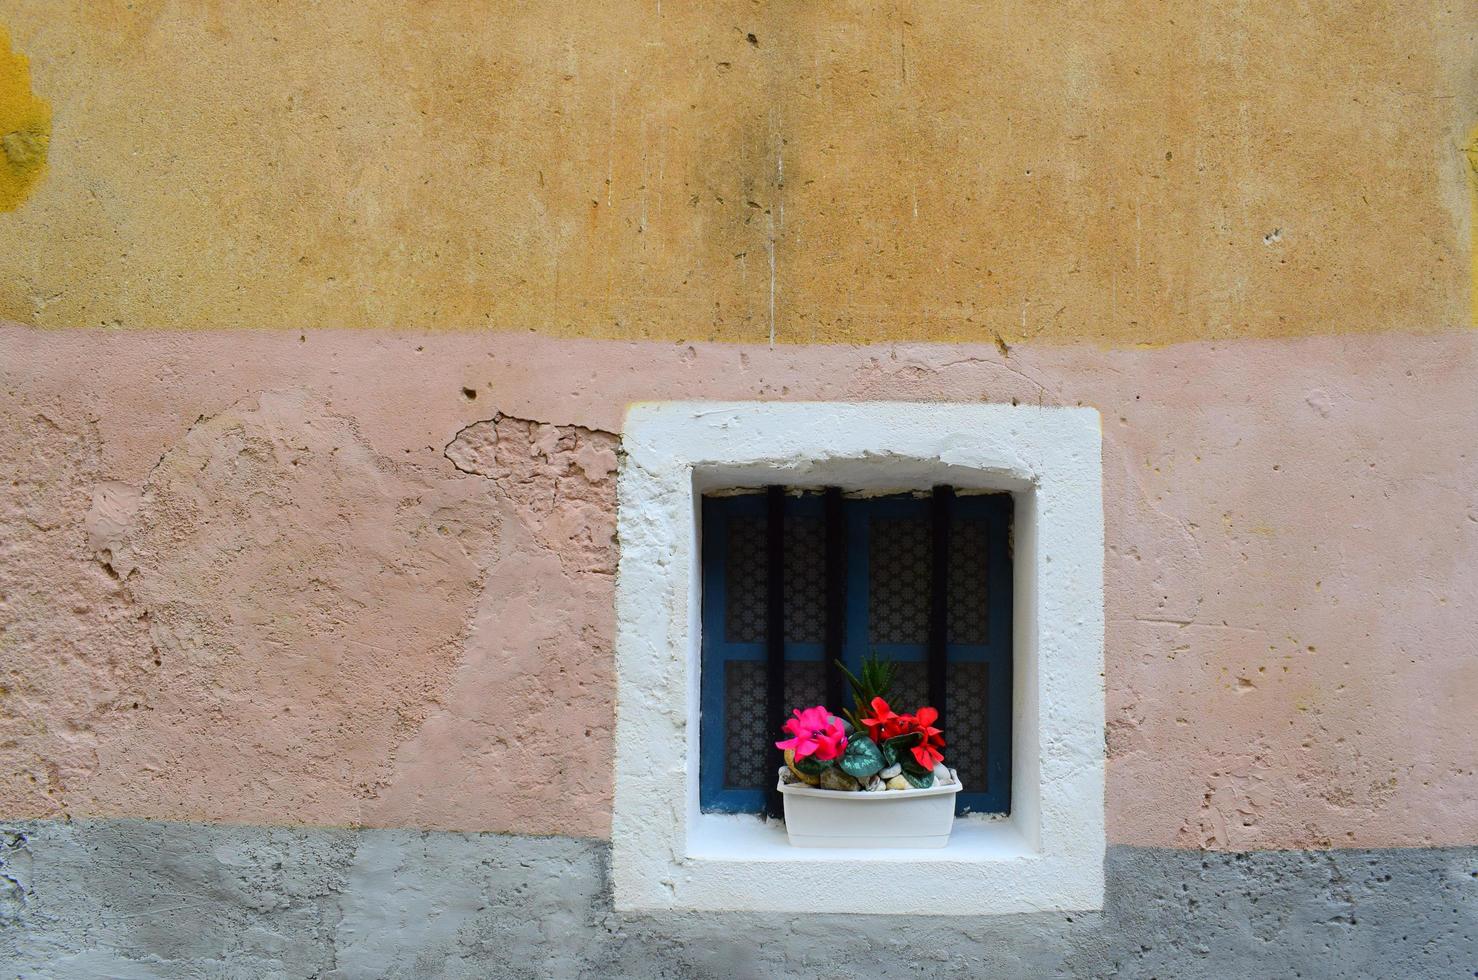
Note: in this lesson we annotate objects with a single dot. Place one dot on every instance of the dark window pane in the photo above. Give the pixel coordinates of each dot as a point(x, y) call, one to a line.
point(898, 578)
point(805, 685)
point(744, 724)
point(910, 688)
point(965, 745)
point(805, 580)
point(745, 616)
point(967, 583)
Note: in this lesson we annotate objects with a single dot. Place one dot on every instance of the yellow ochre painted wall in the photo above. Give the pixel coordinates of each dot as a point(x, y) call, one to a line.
point(796, 171)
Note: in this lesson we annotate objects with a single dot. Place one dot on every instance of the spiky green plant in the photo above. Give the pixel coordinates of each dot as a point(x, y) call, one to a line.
point(876, 681)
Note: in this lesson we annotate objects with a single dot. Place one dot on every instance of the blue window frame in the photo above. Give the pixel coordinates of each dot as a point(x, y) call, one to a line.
point(888, 550)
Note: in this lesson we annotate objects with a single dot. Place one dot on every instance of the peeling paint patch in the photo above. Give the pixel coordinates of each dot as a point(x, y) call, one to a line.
point(25, 128)
point(559, 477)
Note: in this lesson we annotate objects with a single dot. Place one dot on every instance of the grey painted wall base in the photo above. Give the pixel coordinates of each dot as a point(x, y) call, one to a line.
point(145, 899)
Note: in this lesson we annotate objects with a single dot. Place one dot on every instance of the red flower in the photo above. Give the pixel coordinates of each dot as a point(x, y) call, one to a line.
point(884, 724)
point(928, 752)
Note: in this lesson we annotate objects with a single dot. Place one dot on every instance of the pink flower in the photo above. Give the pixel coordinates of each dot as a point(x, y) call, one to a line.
point(817, 732)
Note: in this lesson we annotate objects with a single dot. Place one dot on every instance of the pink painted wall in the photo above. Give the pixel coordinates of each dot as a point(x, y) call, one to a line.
point(279, 579)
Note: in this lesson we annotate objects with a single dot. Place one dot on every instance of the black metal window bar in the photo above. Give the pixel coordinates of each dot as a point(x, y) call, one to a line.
point(775, 635)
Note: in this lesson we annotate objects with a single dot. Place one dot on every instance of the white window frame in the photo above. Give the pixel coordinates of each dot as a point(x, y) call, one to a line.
point(1047, 855)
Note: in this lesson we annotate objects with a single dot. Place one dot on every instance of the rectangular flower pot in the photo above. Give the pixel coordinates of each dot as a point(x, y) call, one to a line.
point(891, 818)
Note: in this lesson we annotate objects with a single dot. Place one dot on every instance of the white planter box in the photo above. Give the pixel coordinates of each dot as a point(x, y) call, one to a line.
point(892, 818)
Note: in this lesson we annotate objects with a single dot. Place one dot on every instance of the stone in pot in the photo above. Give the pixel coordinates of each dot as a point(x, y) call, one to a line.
point(834, 778)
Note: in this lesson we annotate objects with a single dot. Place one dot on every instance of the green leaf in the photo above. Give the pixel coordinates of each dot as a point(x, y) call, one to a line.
point(862, 758)
point(917, 781)
point(905, 741)
point(876, 680)
point(910, 764)
point(811, 765)
point(895, 749)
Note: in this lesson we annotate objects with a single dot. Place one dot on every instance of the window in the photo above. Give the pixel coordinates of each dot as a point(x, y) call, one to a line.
point(857, 578)
point(669, 852)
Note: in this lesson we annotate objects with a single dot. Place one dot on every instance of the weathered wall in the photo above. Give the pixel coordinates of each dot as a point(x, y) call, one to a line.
point(266, 583)
point(337, 597)
point(1138, 173)
point(144, 900)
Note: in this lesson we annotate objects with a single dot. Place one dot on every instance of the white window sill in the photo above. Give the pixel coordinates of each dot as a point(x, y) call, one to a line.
point(988, 868)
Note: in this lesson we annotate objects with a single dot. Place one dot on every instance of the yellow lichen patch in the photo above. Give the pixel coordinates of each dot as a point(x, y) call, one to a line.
point(25, 128)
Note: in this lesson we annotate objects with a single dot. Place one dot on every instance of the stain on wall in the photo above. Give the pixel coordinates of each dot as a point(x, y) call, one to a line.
point(739, 171)
point(1470, 153)
point(25, 128)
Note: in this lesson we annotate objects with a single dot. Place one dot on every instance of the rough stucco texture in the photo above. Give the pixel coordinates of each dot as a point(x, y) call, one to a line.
point(281, 623)
point(733, 170)
point(348, 578)
point(144, 900)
